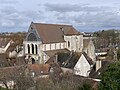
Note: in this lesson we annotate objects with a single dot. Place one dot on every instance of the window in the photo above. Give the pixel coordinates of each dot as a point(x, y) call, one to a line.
point(28, 46)
point(32, 37)
point(32, 48)
point(68, 44)
point(36, 49)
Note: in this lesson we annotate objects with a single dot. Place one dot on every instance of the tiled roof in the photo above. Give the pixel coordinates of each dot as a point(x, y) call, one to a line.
point(39, 68)
point(8, 73)
point(50, 33)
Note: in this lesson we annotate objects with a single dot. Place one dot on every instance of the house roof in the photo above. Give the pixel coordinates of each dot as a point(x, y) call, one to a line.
point(11, 47)
point(51, 53)
point(18, 61)
point(88, 58)
point(4, 42)
point(50, 33)
point(8, 73)
point(69, 60)
point(39, 68)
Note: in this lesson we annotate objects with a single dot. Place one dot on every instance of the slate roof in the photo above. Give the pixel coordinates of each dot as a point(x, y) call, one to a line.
point(69, 60)
point(53, 33)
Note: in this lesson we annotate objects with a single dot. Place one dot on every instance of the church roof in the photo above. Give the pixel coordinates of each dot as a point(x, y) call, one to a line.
point(50, 33)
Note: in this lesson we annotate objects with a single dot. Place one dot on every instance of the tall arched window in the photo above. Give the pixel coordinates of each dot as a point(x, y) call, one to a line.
point(28, 46)
point(36, 49)
point(32, 48)
point(68, 44)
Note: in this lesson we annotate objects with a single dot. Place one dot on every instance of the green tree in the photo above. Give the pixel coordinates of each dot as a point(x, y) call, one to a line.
point(111, 77)
point(85, 86)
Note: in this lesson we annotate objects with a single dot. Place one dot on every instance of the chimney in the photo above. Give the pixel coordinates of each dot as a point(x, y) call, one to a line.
point(98, 64)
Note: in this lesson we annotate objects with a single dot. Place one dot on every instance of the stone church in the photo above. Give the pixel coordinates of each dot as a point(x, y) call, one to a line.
point(45, 40)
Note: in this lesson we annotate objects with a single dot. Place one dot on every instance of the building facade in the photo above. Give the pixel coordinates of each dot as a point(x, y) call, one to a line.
point(48, 37)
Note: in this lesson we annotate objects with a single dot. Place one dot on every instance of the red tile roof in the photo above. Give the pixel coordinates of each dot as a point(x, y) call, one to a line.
point(8, 73)
point(39, 68)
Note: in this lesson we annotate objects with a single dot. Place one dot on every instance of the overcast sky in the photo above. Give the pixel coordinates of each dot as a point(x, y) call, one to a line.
point(84, 15)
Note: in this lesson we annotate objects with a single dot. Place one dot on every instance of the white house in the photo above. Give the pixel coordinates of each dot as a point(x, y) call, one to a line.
point(84, 65)
point(42, 38)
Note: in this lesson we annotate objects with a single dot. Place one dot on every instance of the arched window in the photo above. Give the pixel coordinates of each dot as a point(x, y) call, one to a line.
point(68, 44)
point(32, 48)
point(36, 49)
point(32, 37)
point(28, 46)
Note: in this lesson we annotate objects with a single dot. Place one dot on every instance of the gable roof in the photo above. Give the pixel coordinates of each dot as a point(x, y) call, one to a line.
point(69, 60)
point(50, 33)
point(88, 58)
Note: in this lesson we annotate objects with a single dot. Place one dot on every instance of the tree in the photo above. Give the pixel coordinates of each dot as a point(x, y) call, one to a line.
point(111, 77)
point(85, 86)
point(106, 38)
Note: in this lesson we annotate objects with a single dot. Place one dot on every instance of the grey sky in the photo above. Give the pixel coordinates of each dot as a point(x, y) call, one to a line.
point(84, 15)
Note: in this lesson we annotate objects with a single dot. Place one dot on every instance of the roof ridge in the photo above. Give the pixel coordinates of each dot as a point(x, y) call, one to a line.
point(53, 24)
